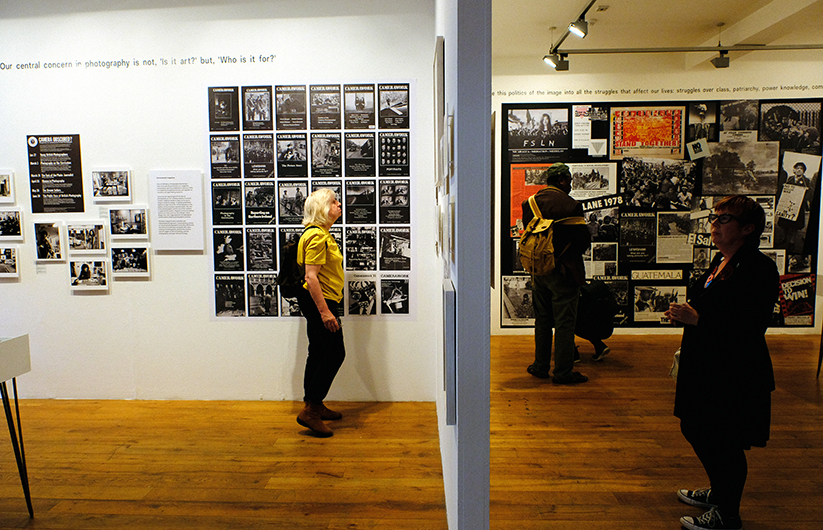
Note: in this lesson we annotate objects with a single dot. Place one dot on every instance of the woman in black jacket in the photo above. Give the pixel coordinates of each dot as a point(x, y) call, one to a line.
point(725, 378)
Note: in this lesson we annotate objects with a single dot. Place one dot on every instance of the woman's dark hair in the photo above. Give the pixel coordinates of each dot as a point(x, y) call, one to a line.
point(747, 211)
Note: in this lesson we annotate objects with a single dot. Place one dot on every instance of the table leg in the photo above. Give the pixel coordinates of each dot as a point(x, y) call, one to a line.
point(17, 440)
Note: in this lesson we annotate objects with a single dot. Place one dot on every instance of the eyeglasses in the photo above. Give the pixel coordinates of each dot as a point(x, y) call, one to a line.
point(722, 218)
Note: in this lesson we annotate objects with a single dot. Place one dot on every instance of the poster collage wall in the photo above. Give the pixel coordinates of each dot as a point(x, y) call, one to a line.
point(648, 175)
point(270, 147)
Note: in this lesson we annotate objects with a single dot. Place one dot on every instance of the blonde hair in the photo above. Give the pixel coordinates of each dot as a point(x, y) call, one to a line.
point(316, 207)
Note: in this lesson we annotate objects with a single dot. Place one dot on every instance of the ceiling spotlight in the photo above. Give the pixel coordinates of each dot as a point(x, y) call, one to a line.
point(721, 61)
point(557, 61)
point(579, 28)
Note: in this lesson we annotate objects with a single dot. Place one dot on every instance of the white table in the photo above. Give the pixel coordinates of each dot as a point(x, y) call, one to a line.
point(15, 360)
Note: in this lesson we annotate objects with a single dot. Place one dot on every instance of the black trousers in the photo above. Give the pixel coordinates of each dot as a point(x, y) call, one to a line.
point(326, 350)
point(724, 460)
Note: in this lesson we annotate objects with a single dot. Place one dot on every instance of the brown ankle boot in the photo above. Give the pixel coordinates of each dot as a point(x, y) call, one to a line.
point(309, 417)
point(326, 414)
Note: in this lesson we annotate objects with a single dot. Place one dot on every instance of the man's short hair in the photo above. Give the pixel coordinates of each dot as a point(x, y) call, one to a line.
point(800, 165)
point(556, 172)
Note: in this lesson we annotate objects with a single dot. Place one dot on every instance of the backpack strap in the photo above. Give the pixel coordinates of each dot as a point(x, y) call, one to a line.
point(535, 208)
point(305, 246)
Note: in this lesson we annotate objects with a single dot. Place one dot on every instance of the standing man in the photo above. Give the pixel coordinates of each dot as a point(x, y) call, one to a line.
point(555, 295)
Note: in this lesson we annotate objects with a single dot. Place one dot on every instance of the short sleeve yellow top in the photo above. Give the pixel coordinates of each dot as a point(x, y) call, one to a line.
point(323, 250)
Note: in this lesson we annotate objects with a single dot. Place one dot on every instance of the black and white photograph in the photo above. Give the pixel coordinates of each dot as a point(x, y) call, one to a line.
point(229, 295)
point(258, 156)
point(262, 291)
point(257, 108)
point(359, 154)
point(226, 203)
point(326, 155)
point(225, 156)
point(325, 106)
point(111, 185)
point(290, 107)
point(337, 187)
point(361, 202)
point(394, 155)
point(228, 249)
point(6, 186)
point(8, 262)
point(601, 260)
point(260, 202)
point(603, 224)
point(129, 223)
point(593, 180)
point(659, 183)
point(395, 249)
point(638, 235)
point(11, 227)
point(362, 297)
point(619, 286)
point(739, 115)
point(673, 230)
point(538, 135)
point(747, 168)
point(795, 125)
point(88, 275)
point(358, 106)
point(516, 301)
point(292, 155)
point(361, 248)
point(702, 121)
point(651, 301)
point(778, 255)
point(86, 237)
point(393, 106)
point(261, 251)
point(394, 295)
point(797, 185)
point(395, 202)
point(224, 109)
point(133, 261)
point(701, 257)
point(50, 246)
point(291, 196)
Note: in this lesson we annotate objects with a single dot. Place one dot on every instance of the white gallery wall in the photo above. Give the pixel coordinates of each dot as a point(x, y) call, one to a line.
point(653, 77)
point(158, 338)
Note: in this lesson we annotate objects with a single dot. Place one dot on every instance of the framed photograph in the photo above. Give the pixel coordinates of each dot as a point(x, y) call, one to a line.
point(88, 275)
point(50, 245)
point(111, 185)
point(8, 262)
point(87, 237)
point(6, 186)
point(129, 222)
point(131, 261)
point(11, 226)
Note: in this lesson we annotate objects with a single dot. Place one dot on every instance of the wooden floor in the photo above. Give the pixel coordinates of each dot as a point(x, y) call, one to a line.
point(609, 455)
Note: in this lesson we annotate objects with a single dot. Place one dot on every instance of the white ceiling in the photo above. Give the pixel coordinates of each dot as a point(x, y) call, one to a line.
point(521, 33)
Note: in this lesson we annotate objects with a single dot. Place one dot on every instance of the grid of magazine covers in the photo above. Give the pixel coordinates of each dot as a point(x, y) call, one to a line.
point(648, 175)
point(270, 147)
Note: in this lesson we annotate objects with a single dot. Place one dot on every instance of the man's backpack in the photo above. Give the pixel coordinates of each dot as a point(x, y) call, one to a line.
point(537, 252)
point(292, 275)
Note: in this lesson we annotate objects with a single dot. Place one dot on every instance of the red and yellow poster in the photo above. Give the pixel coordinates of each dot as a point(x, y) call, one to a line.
point(647, 131)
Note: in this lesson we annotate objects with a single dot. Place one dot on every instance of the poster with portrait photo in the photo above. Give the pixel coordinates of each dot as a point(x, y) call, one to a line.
point(658, 183)
point(361, 295)
point(86, 237)
point(260, 202)
point(111, 185)
point(394, 294)
point(228, 249)
point(638, 236)
point(291, 195)
point(538, 135)
point(593, 180)
point(361, 248)
point(358, 105)
point(325, 106)
point(257, 108)
point(225, 156)
point(702, 121)
point(229, 295)
point(516, 309)
point(258, 156)
point(326, 155)
point(50, 245)
point(359, 154)
point(741, 168)
point(129, 222)
point(6, 186)
point(647, 131)
point(395, 248)
point(336, 186)
point(361, 202)
point(224, 109)
point(395, 204)
point(88, 275)
point(794, 124)
point(11, 224)
point(797, 187)
point(226, 203)
point(393, 106)
point(290, 107)
point(394, 154)
point(133, 261)
point(261, 252)
point(8, 261)
point(292, 155)
point(652, 301)
point(262, 291)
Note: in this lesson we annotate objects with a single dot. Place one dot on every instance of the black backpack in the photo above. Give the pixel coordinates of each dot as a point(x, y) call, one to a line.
point(291, 275)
